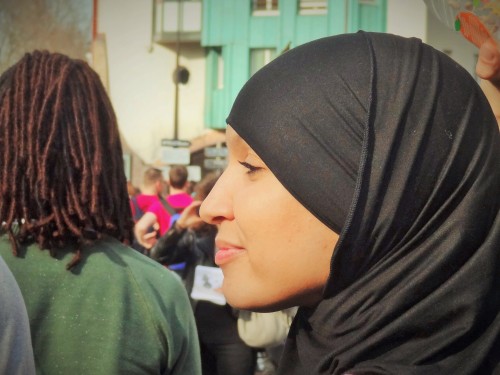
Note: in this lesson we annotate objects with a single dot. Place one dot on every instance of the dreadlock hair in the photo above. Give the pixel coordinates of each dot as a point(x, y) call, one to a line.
point(62, 179)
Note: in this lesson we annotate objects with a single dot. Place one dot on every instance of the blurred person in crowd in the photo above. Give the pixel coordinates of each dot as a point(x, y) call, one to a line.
point(191, 241)
point(132, 190)
point(150, 210)
point(179, 195)
point(153, 188)
point(95, 306)
point(162, 212)
point(383, 224)
point(16, 353)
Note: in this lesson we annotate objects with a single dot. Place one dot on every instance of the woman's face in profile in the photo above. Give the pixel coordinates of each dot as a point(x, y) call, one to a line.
point(273, 252)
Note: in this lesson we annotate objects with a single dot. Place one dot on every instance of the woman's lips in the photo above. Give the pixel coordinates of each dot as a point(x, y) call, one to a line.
point(226, 253)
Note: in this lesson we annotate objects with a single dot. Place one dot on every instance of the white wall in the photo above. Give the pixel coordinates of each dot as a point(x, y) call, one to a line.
point(407, 18)
point(140, 79)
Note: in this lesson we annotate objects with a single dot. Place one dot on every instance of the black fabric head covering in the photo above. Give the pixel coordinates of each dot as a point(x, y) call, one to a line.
point(393, 145)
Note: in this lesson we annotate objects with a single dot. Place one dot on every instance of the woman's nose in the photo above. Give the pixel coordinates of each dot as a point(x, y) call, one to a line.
point(217, 206)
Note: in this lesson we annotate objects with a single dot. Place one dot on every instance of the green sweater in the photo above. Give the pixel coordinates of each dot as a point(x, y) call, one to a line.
point(117, 312)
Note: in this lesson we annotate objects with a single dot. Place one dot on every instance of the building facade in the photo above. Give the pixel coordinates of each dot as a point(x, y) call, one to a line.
point(220, 44)
point(242, 36)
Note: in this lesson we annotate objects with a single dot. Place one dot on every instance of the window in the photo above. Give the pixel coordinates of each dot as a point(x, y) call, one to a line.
point(312, 7)
point(260, 57)
point(265, 7)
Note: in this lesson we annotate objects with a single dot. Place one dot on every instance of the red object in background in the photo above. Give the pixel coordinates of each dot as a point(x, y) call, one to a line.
point(472, 28)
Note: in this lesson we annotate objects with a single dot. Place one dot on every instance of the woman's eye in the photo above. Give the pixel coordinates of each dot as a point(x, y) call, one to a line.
point(251, 168)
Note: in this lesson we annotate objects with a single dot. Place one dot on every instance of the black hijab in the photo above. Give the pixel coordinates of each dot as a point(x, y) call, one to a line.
point(394, 146)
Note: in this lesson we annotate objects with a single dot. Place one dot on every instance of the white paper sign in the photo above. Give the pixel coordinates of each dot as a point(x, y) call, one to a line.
point(175, 155)
point(207, 285)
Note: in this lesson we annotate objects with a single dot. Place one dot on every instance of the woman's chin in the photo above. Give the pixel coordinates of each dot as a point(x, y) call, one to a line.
point(243, 301)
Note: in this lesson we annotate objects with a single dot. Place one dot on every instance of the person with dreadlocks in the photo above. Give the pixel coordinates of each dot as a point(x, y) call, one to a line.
point(95, 305)
point(382, 225)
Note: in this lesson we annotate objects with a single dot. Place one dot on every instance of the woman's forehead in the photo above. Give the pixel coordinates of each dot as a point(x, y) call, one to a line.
point(233, 140)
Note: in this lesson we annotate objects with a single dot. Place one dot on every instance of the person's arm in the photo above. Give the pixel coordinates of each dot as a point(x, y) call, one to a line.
point(16, 353)
point(173, 246)
point(141, 229)
point(190, 217)
point(488, 69)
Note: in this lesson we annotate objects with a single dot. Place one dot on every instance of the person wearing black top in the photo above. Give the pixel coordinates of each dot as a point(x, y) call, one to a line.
point(363, 185)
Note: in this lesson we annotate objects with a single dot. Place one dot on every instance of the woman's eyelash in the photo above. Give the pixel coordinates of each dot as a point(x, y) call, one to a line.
point(251, 168)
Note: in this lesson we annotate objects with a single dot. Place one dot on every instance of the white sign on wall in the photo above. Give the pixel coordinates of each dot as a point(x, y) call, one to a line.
point(175, 152)
point(175, 155)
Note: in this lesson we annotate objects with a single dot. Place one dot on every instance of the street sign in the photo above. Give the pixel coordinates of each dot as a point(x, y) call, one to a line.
point(175, 155)
point(194, 173)
point(214, 152)
point(165, 142)
point(175, 151)
point(215, 163)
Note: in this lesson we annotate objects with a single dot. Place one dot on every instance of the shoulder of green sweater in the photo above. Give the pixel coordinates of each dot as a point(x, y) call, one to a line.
point(162, 293)
point(105, 255)
point(139, 264)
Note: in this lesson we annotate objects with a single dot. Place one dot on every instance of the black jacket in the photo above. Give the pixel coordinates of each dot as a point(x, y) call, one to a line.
point(186, 246)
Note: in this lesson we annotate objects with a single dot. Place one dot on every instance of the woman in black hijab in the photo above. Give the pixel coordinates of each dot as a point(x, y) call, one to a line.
point(363, 185)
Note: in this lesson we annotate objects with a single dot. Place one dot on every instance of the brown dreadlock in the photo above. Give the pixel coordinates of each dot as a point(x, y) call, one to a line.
point(61, 168)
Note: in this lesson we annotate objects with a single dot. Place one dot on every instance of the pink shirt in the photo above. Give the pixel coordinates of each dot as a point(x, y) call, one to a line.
point(146, 200)
point(151, 203)
point(181, 200)
point(162, 216)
